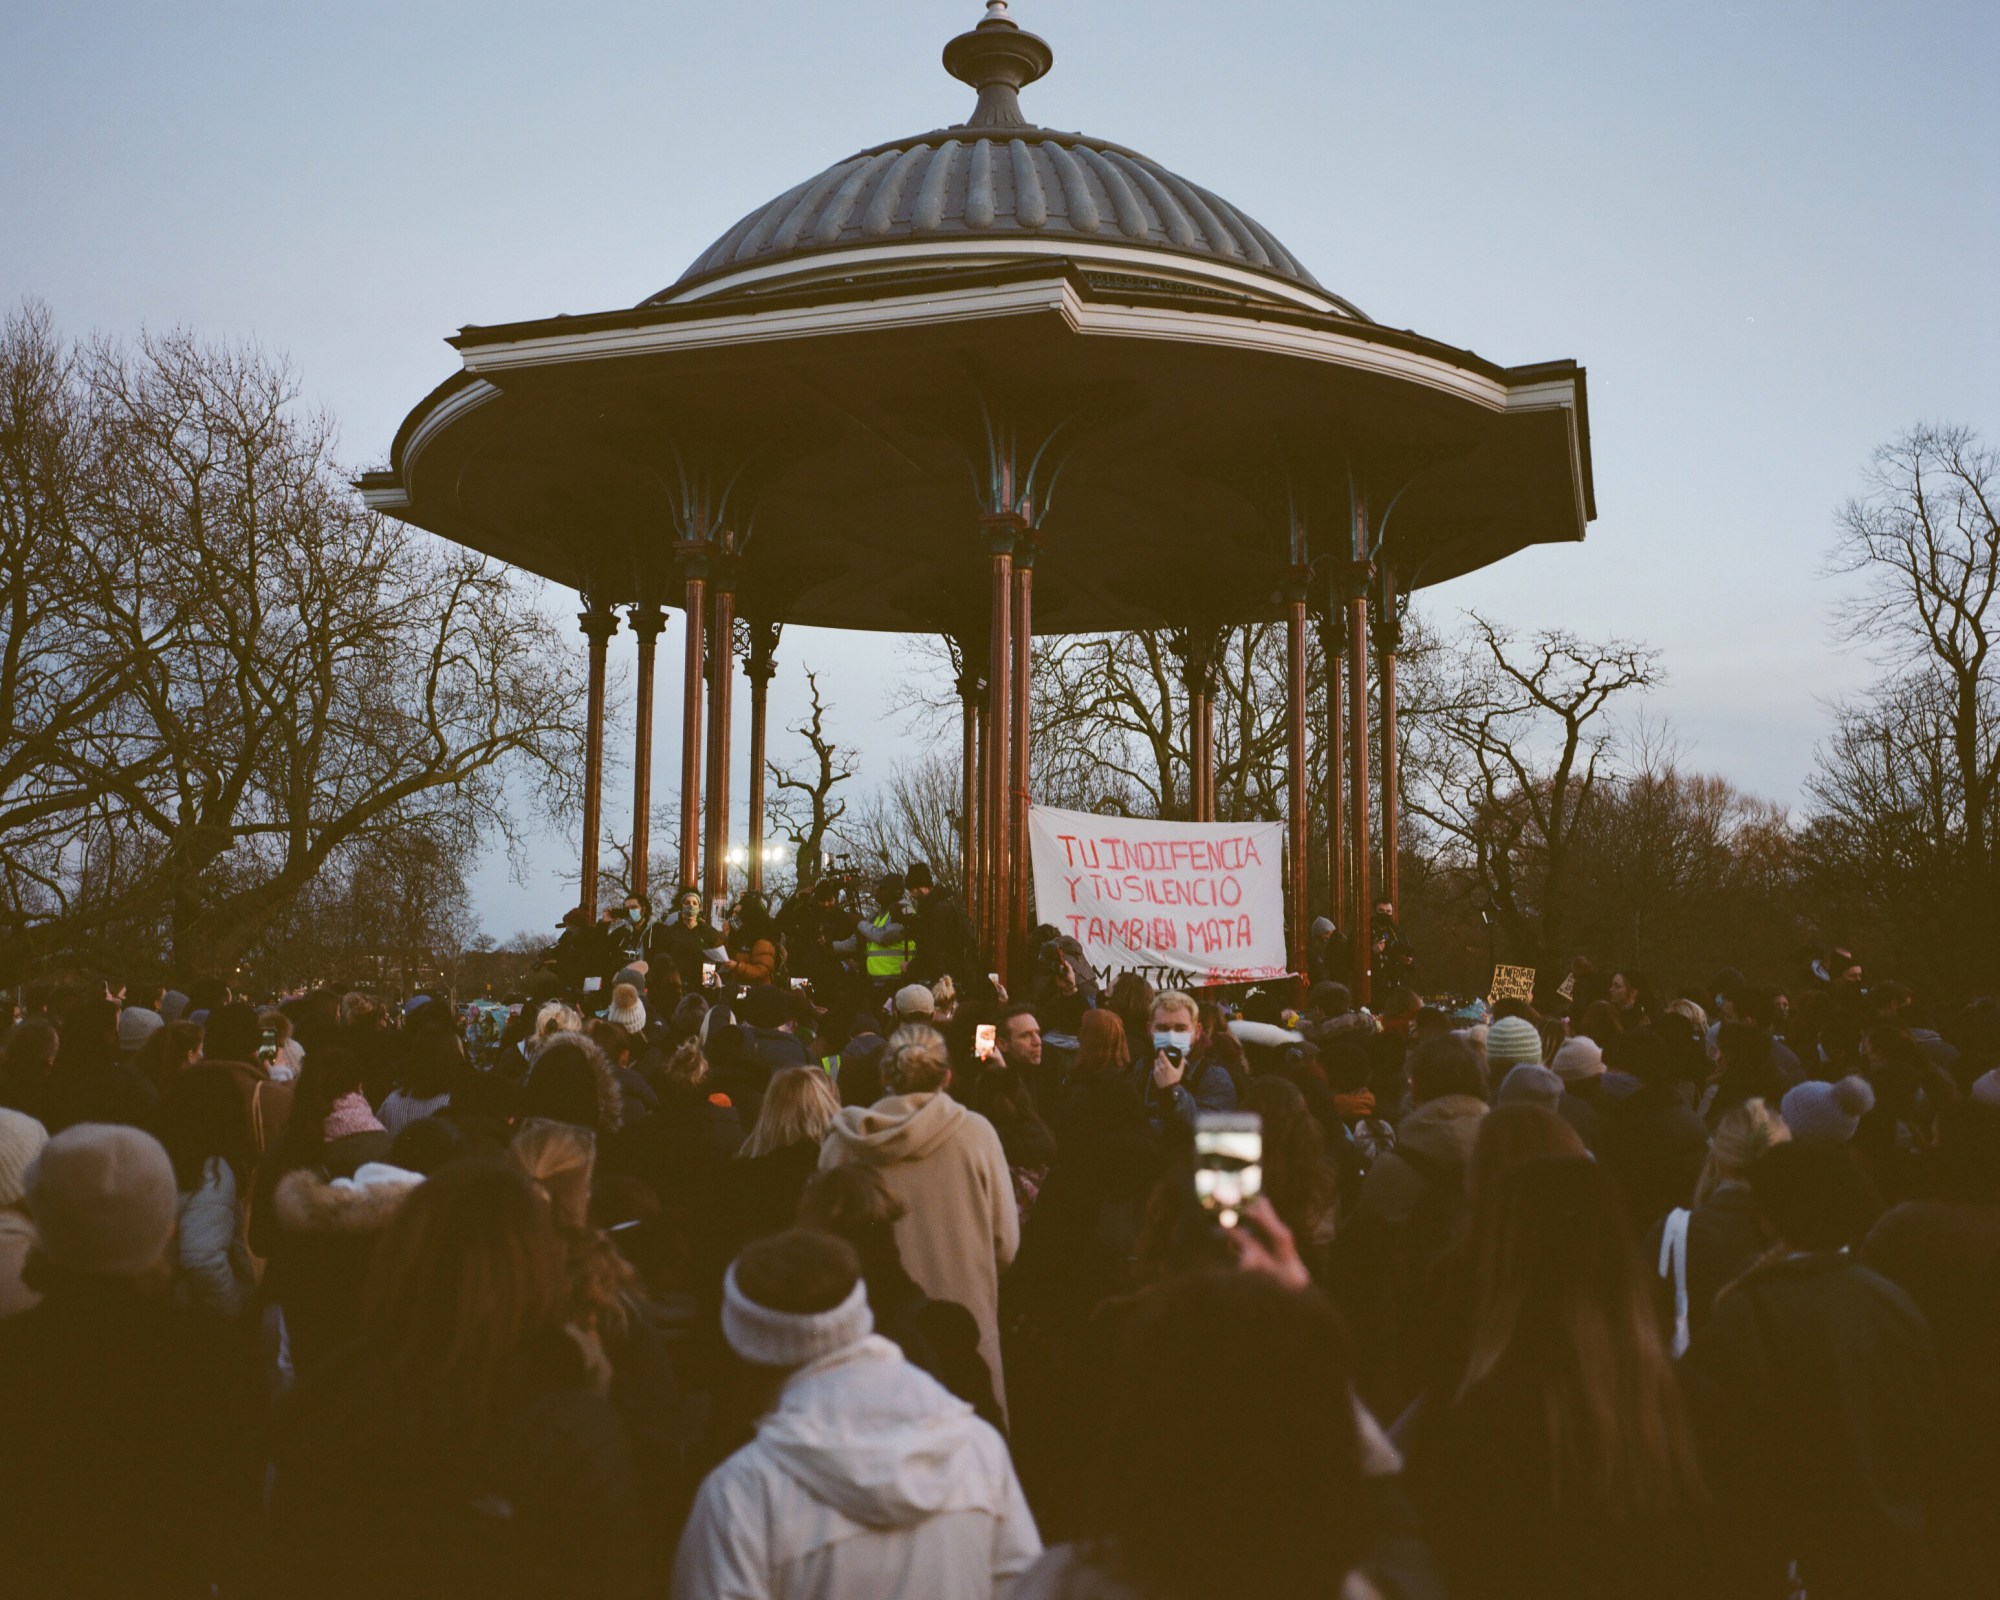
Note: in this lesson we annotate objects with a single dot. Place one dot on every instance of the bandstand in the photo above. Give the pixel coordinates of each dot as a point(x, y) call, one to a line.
point(986, 382)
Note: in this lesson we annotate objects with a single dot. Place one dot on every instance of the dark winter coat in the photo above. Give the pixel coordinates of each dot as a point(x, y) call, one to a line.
point(1653, 1145)
point(1725, 1239)
point(1483, 1478)
point(1946, 1256)
point(108, 1091)
point(764, 1191)
point(945, 943)
point(940, 1336)
point(130, 1461)
point(371, 1497)
point(684, 946)
point(1814, 1395)
point(323, 1240)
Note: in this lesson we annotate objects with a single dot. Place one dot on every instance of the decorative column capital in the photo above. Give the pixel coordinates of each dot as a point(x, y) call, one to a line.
point(693, 557)
point(1006, 532)
point(647, 618)
point(1353, 578)
point(757, 643)
point(598, 622)
point(1297, 587)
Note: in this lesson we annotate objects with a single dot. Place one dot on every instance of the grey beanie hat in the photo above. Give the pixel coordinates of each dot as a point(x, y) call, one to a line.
point(1532, 1084)
point(103, 1199)
point(1832, 1111)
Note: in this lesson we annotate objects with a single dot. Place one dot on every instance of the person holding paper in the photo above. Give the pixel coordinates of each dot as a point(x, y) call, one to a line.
point(754, 937)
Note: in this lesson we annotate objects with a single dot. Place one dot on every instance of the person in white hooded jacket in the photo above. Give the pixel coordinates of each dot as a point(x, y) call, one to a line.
point(866, 1478)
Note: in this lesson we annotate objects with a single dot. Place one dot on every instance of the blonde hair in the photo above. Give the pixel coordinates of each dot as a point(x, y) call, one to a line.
point(799, 1106)
point(915, 1059)
point(1693, 1012)
point(687, 1065)
point(944, 998)
point(559, 1158)
point(555, 1018)
point(1743, 1135)
point(1178, 1000)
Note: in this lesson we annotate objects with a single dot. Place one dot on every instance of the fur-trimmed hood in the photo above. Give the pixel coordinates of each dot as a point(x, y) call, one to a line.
point(549, 1100)
point(307, 1203)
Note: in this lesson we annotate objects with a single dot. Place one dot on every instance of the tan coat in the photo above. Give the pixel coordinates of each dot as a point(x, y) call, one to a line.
point(945, 1164)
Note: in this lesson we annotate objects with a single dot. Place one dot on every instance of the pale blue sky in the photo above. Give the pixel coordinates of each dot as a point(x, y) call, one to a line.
point(1768, 228)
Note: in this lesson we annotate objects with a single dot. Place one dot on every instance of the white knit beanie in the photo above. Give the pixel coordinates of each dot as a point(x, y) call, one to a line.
point(627, 1010)
point(21, 1140)
point(787, 1338)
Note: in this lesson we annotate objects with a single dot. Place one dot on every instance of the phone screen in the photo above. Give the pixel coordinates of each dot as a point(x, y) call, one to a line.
point(984, 1040)
point(708, 974)
point(592, 985)
point(1228, 1162)
point(801, 983)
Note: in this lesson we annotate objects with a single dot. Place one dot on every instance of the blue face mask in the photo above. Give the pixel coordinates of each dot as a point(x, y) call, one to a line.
point(1181, 1039)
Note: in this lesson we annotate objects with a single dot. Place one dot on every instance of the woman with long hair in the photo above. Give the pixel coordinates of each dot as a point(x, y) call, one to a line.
point(433, 1065)
point(1271, 1414)
point(201, 1124)
point(170, 1051)
point(772, 1167)
point(756, 947)
point(459, 1447)
point(1558, 1460)
point(1131, 1002)
point(1299, 1176)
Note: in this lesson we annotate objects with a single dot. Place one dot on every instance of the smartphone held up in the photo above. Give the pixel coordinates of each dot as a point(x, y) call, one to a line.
point(1228, 1162)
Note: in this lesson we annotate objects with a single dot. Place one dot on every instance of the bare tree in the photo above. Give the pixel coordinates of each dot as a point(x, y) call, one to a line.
point(221, 673)
point(1907, 792)
point(915, 817)
point(1509, 742)
point(804, 807)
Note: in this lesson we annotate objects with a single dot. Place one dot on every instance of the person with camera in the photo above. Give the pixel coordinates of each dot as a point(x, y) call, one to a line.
point(942, 939)
point(1183, 1076)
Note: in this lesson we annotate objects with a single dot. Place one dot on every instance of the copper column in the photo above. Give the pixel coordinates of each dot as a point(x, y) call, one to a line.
point(721, 684)
point(968, 812)
point(1022, 717)
point(1295, 766)
point(599, 622)
point(648, 618)
point(695, 564)
point(1357, 693)
point(1332, 647)
point(1388, 639)
point(758, 669)
point(1002, 531)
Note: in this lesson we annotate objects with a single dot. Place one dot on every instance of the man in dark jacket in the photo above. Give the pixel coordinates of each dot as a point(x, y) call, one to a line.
point(685, 944)
point(130, 1465)
point(944, 939)
point(1813, 1391)
point(1652, 1142)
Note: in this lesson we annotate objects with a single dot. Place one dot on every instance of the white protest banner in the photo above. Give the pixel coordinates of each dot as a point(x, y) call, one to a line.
point(1177, 902)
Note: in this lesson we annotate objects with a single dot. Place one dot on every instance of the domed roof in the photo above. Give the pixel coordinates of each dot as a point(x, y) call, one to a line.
point(997, 177)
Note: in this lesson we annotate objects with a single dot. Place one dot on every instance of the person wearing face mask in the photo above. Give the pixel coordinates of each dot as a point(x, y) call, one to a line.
point(1181, 1077)
point(683, 945)
point(636, 935)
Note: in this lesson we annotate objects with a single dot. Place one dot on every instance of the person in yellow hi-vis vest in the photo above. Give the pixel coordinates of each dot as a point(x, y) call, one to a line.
point(882, 944)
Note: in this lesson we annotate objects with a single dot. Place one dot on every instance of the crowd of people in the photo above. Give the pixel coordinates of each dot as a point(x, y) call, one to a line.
point(765, 1256)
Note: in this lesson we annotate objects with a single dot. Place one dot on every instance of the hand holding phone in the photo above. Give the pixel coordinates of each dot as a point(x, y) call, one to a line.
point(708, 974)
point(985, 1041)
point(1168, 1068)
point(1264, 1244)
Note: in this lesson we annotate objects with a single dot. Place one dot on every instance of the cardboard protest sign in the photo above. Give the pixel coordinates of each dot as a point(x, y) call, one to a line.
point(1178, 902)
point(1513, 983)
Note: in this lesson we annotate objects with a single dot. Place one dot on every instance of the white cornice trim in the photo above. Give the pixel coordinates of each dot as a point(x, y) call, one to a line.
point(390, 498)
point(470, 398)
point(1052, 296)
point(1124, 258)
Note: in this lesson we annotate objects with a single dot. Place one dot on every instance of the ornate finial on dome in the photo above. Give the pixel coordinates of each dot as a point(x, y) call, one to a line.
point(998, 60)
